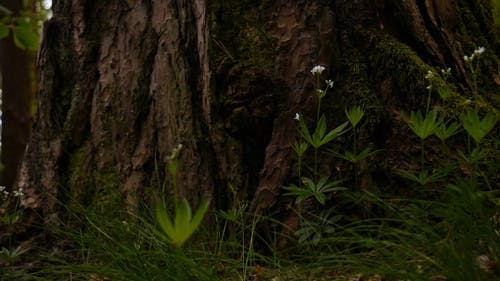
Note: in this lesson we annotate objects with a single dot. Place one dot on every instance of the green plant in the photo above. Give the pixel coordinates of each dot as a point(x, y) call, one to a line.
point(444, 131)
point(300, 148)
point(476, 127)
point(355, 114)
point(423, 127)
point(184, 224)
point(24, 31)
point(314, 229)
point(423, 177)
point(318, 190)
point(11, 256)
point(320, 137)
point(474, 71)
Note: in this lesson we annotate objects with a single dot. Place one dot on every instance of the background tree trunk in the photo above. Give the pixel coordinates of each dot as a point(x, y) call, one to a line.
point(124, 82)
point(17, 66)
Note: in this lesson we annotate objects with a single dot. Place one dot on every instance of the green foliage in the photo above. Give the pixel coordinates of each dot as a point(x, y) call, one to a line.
point(476, 127)
point(318, 190)
point(184, 225)
point(314, 229)
point(24, 29)
point(11, 256)
point(355, 114)
point(423, 127)
point(354, 157)
point(4, 31)
point(444, 132)
point(423, 177)
point(300, 148)
point(24, 35)
point(320, 137)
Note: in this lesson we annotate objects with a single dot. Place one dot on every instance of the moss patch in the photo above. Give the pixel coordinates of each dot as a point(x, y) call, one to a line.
point(90, 187)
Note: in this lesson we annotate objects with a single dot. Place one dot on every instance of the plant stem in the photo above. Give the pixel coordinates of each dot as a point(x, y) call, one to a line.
point(176, 191)
point(428, 102)
point(318, 110)
point(300, 170)
point(356, 180)
point(422, 154)
point(315, 163)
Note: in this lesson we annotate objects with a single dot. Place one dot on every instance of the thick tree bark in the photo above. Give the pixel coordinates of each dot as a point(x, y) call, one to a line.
point(124, 82)
point(17, 98)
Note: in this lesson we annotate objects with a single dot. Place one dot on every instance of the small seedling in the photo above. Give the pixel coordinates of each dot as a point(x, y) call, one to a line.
point(184, 224)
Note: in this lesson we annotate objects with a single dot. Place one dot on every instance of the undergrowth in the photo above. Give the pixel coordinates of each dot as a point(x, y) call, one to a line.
point(448, 229)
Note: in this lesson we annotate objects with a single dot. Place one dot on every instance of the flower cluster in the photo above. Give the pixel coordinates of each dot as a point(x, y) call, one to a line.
point(317, 70)
point(446, 72)
point(3, 190)
point(16, 193)
point(429, 75)
point(320, 93)
point(477, 52)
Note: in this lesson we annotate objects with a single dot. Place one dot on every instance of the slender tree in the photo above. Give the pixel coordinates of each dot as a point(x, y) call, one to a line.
point(17, 73)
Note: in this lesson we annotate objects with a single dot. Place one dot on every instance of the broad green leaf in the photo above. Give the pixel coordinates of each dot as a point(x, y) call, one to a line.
point(319, 132)
point(164, 220)
point(321, 127)
point(304, 131)
point(320, 197)
point(4, 31)
point(25, 37)
point(300, 193)
point(184, 224)
point(200, 213)
point(183, 221)
point(334, 133)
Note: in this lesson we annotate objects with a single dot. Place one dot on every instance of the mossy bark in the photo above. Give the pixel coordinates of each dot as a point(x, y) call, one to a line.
point(124, 82)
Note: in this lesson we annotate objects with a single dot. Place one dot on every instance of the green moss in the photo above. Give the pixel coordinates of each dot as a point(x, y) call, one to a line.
point(406, 68)
point(239, 33)
point(96, 188)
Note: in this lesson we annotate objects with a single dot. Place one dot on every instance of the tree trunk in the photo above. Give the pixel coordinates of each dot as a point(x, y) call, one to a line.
point(17, 101)
point(124, 82)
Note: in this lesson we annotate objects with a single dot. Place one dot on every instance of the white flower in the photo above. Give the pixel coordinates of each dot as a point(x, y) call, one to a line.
point(479, 50)
point(317, 70)
point(175, 151)
point(429, 75)
point(297, 116)
point(446, 71)
point(3, 190)
point(18, 193)
point(329, 83)
point(429, 87)
point(466, 58)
